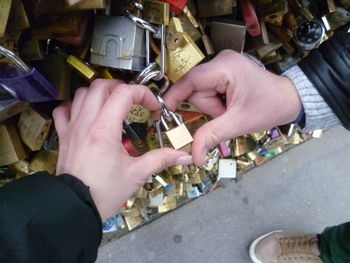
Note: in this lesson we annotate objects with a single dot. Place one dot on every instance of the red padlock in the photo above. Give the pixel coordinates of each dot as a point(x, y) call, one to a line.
point(176, 6)
point(250, 18)
point(135, 149)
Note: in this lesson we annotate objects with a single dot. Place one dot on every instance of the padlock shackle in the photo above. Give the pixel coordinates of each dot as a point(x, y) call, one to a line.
point(137, 5)
point(142, 23)
point(14, 58)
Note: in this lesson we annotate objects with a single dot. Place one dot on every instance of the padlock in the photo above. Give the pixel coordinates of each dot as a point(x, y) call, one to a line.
point(18, 19)
point(169, 204)
point(5, 8)
point(57, 25)
point(250, 18)
point(44, 161)
point(55, 68)
point(189, 28)
point(156, 12)
point(210, 8)
point(33, 127)
point(345, 3)
point(11, 148)
point(183, 59)
point(264, 33)
point(273, 13)
point(178, 136)
point(338, 18)
point(227, 169)
point(74, 5)
point(11, 107)
point(80, 66)
point(27, 84)
point(77, 38)
point(206, 41)
point(118, 43)
point(32, 50)
point(176, 6)
point(174, 33)
point(331, 6)
point(228, 35)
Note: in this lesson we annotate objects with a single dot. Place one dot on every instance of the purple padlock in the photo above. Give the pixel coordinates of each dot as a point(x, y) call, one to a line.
point(26, 83)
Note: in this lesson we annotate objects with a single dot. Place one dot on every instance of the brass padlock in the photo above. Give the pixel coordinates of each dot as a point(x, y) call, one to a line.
point(183, 59)
point(175, 33)
point(33, 128)
point(209, 8)
point(44, 161)
point(273, 12)
point(178, 136)
point(11, 148)
point(5, 7)
point(83, 68)
point(18, 19)
point(156, 12)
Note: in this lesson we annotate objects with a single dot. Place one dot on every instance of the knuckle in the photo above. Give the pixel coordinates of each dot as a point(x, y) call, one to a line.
point(80, 91)
point(75, 131)
point(56, 112)
point(98, 83)
point(98, 132)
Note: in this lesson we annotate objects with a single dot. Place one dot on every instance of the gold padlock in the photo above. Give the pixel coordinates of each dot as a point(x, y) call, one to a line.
point(5, 7)
point(11, 148)
point(183, 59)
point(44, 161)
point(210, 8)
point(174, 34)
point(33, 127)
point(18, 19)
point(178, 136)
point(156, 12)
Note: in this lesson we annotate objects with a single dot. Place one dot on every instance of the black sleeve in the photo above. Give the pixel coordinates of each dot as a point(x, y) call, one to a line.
point(45, 218)
point(328, 68)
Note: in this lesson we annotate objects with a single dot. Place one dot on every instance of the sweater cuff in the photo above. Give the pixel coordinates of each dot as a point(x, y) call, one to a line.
point(318, 115)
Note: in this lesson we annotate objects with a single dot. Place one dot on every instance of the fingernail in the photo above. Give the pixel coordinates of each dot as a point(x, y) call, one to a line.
point(184, 160)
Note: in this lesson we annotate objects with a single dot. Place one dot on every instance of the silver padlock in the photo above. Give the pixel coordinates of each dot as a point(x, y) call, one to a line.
point(118, 43)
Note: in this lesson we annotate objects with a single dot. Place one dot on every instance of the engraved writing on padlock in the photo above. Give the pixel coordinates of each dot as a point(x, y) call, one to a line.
point(26, 83)
point(118, 43)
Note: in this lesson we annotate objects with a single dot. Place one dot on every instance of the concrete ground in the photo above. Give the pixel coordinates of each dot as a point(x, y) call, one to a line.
point(305, 189)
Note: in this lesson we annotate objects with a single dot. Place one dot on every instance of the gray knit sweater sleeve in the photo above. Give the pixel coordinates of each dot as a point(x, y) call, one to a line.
point(317, 112)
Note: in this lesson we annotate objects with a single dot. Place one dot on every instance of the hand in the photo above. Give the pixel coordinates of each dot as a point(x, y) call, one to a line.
point(256, 99)
point(90, 134)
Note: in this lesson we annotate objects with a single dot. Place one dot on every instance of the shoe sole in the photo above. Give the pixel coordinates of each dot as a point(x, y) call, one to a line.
point(255, 242)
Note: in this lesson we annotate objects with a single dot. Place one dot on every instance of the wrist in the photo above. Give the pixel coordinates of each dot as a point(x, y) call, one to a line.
point(290, 100)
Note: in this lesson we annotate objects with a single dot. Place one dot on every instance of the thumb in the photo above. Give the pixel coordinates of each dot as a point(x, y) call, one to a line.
point(157, 160)
point(210, 135)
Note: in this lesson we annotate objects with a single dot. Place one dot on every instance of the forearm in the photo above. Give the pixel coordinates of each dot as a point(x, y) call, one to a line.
point(46, 218)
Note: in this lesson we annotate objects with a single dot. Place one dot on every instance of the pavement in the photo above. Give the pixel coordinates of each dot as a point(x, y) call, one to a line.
point(304, 189)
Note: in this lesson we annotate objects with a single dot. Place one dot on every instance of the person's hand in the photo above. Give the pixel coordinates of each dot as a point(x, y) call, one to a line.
point(256, 99)
point(90, 135)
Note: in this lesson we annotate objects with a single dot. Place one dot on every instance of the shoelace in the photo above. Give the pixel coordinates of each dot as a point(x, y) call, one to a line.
point(292, 245)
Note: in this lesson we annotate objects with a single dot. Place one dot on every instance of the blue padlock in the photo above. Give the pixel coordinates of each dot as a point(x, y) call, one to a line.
point(26, 84)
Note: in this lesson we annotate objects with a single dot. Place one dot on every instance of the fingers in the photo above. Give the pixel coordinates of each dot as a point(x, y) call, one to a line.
point(77, 103)
point(209, 135)
point(160, 159)
point(61, 116)
point(119, 104)
point(207, 102)
point(209, 76)
point(96, 96)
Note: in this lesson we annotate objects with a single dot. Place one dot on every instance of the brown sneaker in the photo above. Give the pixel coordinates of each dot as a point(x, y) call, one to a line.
point(283, 247)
